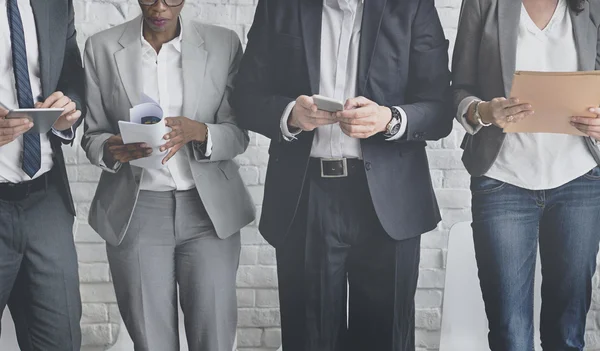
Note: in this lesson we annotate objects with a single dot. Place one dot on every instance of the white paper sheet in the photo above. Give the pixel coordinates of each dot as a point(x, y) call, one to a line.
point(151, 134)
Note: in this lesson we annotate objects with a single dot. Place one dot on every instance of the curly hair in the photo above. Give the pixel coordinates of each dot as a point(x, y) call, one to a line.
point(576, 5)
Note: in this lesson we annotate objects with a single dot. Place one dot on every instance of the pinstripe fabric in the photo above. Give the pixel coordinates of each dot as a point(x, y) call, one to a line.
point(32, 158)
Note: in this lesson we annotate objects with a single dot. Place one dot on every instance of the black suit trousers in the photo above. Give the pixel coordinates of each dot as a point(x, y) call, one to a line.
point(336, 241)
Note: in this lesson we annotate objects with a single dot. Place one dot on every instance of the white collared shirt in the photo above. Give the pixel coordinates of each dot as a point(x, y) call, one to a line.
point(11, 154)
point(340, 42)
point(538, 161)
point(163, 81)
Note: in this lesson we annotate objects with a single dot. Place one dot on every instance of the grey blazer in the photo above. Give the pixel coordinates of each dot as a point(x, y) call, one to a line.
point(484, 65)
point(210, 58)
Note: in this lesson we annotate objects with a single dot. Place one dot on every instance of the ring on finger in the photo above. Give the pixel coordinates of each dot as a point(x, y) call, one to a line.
point(510, 118)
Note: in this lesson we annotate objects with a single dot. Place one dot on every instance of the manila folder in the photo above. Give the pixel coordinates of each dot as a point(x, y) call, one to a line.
point(555, 97)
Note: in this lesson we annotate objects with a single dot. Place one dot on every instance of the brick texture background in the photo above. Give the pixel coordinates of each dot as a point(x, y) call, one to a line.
point(257, 280)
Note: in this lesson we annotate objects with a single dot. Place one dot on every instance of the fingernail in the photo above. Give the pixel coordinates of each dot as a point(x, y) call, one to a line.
point(144, 145)
point(166, 137)
point(592, 109)
point(30, 125)
point(527, 106)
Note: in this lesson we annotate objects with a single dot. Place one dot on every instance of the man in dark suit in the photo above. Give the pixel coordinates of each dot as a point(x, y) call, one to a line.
point(348, 193)
point(40, 67)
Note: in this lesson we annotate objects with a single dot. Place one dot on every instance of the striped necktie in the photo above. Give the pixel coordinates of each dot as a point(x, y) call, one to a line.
point(32, 158)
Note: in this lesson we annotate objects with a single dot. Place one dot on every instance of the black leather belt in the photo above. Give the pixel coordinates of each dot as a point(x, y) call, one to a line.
point(335, 167)
point(21, 191)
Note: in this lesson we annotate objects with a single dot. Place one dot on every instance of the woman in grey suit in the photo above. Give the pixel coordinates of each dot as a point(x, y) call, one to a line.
point(529, 189)
point(176, 227)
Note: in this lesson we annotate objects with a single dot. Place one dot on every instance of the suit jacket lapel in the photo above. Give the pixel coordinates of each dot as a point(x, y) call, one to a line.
point(371, 23)
point(311, 15)
point(128, 61)
point(509, 13)
point(585, 43)
point(193, 61)
point(41, 13)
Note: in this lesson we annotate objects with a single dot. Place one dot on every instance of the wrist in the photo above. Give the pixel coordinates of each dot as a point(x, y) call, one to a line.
point(483, 113)
point(387, 117)
point(202, 134)
point(291, 124)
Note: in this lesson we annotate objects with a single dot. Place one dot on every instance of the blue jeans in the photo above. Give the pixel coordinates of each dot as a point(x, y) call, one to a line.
point(508, 223)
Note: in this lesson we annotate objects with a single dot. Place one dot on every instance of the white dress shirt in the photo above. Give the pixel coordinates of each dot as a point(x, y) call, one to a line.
point(11, 153)
point(340, 42)
point(538, 161)
point(163, 81)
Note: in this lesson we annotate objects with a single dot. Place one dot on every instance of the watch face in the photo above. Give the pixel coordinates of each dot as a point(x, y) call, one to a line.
point(395, 129)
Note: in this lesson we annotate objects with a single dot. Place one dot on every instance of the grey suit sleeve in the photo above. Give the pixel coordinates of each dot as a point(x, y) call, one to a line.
point(228, 139)
point(97, 126)
point(465, 57)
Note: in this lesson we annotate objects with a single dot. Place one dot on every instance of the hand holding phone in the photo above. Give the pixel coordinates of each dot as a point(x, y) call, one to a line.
point(306, 114)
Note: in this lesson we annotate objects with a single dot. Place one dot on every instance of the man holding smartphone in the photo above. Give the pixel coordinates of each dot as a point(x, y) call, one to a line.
point(40, 67)
point(348, 193)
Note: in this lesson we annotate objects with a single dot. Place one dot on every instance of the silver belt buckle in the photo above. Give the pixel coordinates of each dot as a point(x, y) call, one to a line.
point(344, 167)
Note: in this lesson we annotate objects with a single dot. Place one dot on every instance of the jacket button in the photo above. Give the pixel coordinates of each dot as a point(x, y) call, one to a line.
point(368, 166)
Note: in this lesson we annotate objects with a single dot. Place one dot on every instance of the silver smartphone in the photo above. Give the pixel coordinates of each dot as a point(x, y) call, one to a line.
point(327, 104)
point(43, 118)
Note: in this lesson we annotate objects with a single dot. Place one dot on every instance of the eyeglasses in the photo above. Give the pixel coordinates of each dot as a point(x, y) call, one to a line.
point(170, 3)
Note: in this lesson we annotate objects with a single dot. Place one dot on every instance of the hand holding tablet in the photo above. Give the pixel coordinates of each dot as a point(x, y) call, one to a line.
point(42, 118)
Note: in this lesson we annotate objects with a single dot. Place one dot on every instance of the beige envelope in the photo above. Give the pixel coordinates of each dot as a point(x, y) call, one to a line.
point(555, 97)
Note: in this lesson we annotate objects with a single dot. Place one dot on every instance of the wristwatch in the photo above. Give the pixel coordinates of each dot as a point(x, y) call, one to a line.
point(393, 127)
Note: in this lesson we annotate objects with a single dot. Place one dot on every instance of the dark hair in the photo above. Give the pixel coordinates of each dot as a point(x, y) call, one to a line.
point(576, 5)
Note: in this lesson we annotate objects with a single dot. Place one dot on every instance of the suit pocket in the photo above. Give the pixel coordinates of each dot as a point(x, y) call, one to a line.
point(485, 185)
point(230, 169)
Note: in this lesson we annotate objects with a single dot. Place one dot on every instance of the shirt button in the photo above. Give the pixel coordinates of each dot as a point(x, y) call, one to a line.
point(368, 166)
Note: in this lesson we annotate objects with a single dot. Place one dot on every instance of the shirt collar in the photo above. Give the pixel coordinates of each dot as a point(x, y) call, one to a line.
point(175, 42)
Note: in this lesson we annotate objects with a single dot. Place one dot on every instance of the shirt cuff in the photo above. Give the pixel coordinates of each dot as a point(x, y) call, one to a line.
point(463, 110)
point(285, 131)
point(209, 144)
point(403, 124)
point(65, 134)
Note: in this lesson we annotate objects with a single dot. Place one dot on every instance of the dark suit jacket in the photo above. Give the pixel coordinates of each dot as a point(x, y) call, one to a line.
point(403, 61)
point(61, 70)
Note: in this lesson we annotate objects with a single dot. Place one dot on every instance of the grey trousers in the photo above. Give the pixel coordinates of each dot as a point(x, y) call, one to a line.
point(171, 244)
point(38, 272)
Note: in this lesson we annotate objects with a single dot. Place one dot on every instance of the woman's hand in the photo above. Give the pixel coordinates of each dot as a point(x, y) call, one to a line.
point(588, 125)
point(183, 131)
point(501, 111)
point(115, 150)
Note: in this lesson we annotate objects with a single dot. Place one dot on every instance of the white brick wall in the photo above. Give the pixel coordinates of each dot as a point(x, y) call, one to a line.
point(257, 294)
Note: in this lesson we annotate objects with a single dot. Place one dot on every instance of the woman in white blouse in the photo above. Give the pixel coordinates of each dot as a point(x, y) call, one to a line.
point(529, 189)
point(174, 229)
